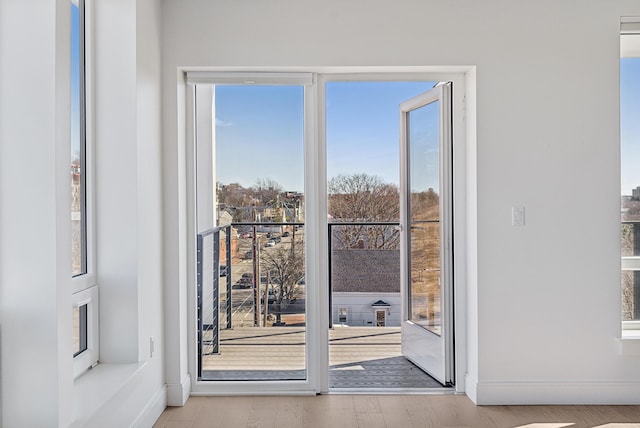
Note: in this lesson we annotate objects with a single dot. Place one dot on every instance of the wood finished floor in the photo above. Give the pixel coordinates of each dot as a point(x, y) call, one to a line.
point(393, 411)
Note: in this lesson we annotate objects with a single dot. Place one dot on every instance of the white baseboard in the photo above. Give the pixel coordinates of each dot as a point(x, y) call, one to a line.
point(471, 388)
point(178, 393)
point(152, 410)
point(589, 392)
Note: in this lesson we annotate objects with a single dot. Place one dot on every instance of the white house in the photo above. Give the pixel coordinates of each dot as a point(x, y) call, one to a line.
point(538, 305)
point(365, 288)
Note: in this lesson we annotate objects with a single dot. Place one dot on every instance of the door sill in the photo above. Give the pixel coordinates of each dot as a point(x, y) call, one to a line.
point(392, 391)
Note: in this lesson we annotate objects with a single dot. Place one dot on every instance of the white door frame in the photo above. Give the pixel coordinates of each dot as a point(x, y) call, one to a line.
point(315, 189)
point(459, 78)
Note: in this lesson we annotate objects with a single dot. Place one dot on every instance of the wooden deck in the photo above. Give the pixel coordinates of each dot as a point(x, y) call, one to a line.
point(359, 357)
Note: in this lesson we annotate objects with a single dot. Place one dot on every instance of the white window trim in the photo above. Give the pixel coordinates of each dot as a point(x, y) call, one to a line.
point(84, 286)
point(86, 359)
point(88, 279)
point(630, 48)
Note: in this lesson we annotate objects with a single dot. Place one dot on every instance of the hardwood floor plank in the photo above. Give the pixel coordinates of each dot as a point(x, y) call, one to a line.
point(289, 413)
point(393, 411)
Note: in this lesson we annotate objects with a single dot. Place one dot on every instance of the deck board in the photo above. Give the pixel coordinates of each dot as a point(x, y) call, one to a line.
point(359, 357)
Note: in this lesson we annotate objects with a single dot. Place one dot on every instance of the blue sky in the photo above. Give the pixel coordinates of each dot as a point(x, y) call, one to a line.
point(75, 81)
point(630, 123)
point(363, 126)
point(259, 134)
point(260, 130)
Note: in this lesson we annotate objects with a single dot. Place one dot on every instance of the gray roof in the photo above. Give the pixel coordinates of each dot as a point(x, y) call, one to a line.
point(365, 271)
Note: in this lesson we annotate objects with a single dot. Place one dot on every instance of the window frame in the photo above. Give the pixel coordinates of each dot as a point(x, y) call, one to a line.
point(84, 285)
point(89, 357)
point(629, 48)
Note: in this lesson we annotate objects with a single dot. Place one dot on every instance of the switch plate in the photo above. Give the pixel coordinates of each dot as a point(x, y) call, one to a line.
point(517, 216)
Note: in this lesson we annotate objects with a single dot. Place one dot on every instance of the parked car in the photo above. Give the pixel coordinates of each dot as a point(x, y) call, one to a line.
point(285, 234)
point(223, 270)
point(243, 283)
point(270, 243)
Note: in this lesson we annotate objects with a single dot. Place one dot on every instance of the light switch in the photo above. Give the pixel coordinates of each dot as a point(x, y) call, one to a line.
point(517, 216)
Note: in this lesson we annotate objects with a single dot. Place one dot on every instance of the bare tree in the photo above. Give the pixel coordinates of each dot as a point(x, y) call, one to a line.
point(425, 205)
point(285, 267)
point(266, 191)
point(364, 198)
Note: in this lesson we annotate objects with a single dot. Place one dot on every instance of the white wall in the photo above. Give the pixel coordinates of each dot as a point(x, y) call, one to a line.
point(129, 205)
point(544, 300)
point(35, 249)
point(35, 269)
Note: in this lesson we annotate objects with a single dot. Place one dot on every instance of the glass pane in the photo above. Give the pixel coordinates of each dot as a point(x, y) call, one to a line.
point(78, 236)
point(79, 334)
point(259, 166)
point(630, 181)
point(424, 208)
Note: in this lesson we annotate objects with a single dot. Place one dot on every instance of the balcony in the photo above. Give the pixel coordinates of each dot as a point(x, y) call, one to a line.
point(252, 306)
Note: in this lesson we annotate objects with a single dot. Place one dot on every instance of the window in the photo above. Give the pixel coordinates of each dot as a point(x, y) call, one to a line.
point(630, 173)
point(342, 315)
point(80, 329)
point(85, 292)
point(78, 143)
point(85, 329)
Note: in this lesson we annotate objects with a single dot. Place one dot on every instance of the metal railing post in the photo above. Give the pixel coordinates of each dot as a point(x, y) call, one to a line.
point(215, 295)
point(330, 245)
point(199, 301)
point(229, 264)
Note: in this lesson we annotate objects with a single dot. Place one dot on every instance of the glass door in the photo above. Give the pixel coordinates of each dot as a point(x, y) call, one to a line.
point(251, 297)
point(426, 272)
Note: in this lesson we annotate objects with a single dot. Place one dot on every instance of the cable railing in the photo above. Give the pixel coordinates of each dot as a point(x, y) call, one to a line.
point(208, 273)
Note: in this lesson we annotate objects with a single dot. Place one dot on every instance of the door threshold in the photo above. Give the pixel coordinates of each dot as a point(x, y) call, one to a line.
point(392, 391)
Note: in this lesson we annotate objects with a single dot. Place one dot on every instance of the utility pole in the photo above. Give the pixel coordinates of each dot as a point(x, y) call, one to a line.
point(266, 301)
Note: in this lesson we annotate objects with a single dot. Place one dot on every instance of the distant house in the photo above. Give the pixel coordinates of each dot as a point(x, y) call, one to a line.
point(365, 287)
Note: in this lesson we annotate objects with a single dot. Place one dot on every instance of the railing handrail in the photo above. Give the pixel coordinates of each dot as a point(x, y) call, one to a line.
point(268, 223)
point(363, 223)
point(375, 223)
point(213, 230)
